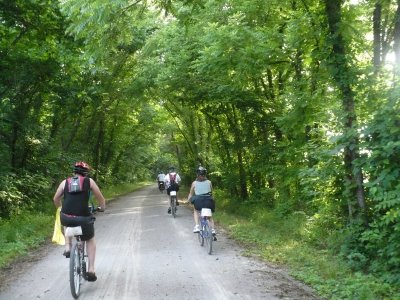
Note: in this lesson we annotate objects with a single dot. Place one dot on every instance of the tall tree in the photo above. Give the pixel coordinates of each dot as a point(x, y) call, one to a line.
point(344, 78)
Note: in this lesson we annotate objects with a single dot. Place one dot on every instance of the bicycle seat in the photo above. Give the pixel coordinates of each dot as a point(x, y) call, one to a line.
point(73, 231)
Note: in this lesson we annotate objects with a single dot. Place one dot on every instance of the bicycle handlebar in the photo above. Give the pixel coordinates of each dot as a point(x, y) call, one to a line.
point(93, 209)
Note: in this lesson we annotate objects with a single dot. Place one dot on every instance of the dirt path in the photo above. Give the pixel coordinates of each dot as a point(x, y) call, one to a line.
point(143, 253)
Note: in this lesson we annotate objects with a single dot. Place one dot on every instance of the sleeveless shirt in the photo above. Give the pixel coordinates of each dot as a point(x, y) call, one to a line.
point(202, 187)
point(77, 204)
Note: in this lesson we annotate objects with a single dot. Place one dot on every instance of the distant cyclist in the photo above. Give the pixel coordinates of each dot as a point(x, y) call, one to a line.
point(172, 181)
point(75, 192)
point(160, 179)
point(200, 196)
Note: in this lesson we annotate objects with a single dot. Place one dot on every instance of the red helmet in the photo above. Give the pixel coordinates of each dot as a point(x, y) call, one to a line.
point(82, 168)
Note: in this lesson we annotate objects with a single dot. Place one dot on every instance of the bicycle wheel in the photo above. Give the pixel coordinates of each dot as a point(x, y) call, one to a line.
point(173, 206)
point(208, 237)
point(74, 271)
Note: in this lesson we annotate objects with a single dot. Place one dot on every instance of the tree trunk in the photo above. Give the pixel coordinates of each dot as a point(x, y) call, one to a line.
point(343, 78)
point(396, 41)
point(377, 21)
point(237, 136)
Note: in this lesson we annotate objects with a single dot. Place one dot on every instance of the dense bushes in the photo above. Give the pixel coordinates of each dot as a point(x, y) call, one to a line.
point(25, 192)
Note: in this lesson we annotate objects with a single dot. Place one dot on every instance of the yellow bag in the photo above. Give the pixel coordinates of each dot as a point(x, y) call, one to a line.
point(58, 236)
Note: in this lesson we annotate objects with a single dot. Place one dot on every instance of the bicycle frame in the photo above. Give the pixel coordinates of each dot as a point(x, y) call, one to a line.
point(78, 262)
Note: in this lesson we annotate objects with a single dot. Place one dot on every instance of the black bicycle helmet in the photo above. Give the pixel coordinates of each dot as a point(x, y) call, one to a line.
point(82, 168)
point(201, 171)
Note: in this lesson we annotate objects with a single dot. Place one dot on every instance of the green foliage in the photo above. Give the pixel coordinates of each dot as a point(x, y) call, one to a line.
point(10, 198)
point(23, 233)
point(382, 240)
point(289, 241)
point(21, 193)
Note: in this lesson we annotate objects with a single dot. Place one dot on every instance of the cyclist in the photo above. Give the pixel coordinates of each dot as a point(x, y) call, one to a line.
point(200, 196)
point(160, 179)
point(75, 192)
point(172, 180)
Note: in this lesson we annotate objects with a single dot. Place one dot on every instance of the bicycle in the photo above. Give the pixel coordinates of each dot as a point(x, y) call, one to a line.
point(173, 199)
point(205, 234)
point(161, 186)
point(78, 261)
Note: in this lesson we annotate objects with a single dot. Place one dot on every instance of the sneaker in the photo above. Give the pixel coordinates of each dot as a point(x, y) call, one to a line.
point(169, 210)
point(196, 229)
point(214, 234)
point(67, 253)
point(90, 276)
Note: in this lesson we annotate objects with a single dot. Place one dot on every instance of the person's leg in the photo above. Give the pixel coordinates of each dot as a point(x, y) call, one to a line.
point(196, 221)
point(88, 236)
point(91, 251)
point(168, 192)
point(211, 205)
point(214, 233)
point(196, 217)
point(211, 222)
point(68, 243)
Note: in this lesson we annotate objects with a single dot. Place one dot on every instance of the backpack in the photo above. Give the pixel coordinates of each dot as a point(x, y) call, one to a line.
point(75, 184)
point(172, 179)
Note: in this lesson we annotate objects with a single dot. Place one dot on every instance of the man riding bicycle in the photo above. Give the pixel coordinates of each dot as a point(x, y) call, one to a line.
point(172, 180)
point(75, 192)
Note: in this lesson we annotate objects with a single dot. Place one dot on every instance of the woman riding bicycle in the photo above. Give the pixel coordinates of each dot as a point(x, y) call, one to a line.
point(200, 196)
point(75, 192)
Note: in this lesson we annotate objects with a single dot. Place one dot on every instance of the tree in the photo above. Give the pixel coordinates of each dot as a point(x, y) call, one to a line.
point(343, 78)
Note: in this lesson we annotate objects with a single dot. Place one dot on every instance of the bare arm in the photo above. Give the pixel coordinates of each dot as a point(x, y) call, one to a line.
point(191, 192)
point(59, 194)
point(97, 193)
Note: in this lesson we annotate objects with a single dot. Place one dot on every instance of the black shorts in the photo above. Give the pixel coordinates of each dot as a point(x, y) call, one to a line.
point(173, 187)
point(200, 202)
point(86, 222)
